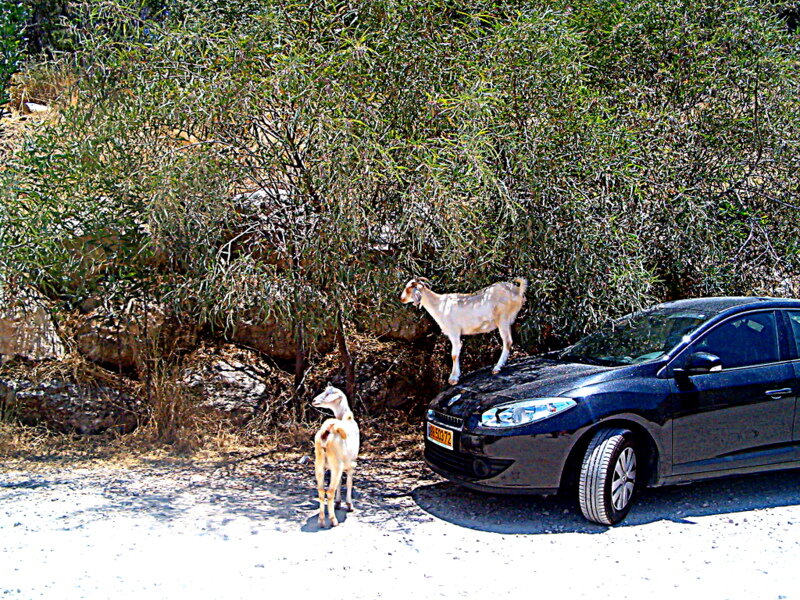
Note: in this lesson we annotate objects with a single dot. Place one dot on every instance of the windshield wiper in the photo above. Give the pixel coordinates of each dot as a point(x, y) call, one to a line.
point(580, 358)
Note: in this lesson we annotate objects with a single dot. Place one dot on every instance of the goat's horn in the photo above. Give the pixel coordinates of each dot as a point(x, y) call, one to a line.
point(424, 281)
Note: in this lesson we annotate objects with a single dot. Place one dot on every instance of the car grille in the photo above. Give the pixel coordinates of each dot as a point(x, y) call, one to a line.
point(448, 420)
point(466, 466)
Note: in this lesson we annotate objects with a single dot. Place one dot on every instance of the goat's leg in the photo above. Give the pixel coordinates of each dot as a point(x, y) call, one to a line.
point(338, 502)
point(349, 504)
point(455, 374)
point(336, 481)
point(319, 470)
point(505, 334)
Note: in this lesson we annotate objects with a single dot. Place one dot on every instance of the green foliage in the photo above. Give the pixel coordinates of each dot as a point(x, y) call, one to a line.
point(47, 25)
point(12, 20)
point(613, 152)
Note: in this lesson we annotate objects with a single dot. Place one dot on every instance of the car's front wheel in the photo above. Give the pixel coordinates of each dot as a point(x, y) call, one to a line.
point(607, 483)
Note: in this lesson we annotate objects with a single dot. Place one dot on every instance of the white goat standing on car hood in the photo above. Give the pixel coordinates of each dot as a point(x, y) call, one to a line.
point(336, 447)
point(494, 307)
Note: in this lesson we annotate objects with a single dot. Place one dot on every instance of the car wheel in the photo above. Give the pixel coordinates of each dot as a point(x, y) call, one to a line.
point(607, 483)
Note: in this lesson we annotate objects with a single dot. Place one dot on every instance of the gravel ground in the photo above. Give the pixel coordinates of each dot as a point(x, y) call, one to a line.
point(248, 529)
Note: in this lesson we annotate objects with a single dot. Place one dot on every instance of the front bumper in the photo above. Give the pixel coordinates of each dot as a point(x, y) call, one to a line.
point(511, 463)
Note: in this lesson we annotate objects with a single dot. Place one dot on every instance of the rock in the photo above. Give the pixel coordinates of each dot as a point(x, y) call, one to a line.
point(273, 339)
point(33, 107)
point(117, 339)
point(267, 337)
point(234, 381)
point(120, 339)
point(404, 325)
point(272, 217)
point(69, 407)
point(262, 203)
point(27, 329)
point(393, 375)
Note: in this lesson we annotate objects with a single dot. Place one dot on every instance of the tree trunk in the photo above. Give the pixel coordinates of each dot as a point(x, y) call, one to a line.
point(301, 359)
point(346, 358)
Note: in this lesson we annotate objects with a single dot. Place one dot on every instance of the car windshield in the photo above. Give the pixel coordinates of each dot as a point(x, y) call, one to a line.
point(637, 338)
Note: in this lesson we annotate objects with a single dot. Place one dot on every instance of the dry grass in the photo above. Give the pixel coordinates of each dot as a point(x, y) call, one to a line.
point(175, 424)
point(13, 127)
point(34, 448)
point(46, 86)
point(173, 417)
point(51, 84)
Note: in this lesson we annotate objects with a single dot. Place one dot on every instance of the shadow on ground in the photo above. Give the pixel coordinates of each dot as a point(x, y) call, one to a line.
point(395, 495)
point(277, 493)
point(559, 514)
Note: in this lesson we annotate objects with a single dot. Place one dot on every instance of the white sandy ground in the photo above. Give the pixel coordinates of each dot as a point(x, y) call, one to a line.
point(248, 530)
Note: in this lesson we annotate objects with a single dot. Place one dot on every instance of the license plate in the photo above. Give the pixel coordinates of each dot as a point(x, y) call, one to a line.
point(440, 436)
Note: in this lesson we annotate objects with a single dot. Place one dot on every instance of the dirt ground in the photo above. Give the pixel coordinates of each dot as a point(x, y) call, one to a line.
point(246, 527)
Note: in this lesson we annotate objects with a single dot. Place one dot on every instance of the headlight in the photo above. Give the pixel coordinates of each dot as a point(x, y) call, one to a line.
point(525, 411)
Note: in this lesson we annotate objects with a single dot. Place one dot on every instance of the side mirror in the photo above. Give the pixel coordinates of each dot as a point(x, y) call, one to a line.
point(699, 363)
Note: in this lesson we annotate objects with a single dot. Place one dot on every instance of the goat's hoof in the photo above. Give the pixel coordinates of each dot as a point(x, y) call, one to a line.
point(495, 371)
point(349, 507)
point(452, 381)
point(334, 523)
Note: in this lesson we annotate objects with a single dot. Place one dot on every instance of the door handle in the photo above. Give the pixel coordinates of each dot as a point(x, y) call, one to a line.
point(775, 394)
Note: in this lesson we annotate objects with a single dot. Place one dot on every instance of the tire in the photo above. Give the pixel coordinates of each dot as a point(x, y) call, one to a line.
point(608, 484)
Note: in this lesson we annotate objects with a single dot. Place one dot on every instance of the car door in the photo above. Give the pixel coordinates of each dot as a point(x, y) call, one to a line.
point(793, 319)
point(742, 415)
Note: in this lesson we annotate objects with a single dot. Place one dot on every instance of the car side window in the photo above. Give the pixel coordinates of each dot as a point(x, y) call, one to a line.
point(744, 341)
point(794, 327)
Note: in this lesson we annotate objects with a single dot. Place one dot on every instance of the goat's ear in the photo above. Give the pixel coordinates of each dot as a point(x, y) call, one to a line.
point(423, 282)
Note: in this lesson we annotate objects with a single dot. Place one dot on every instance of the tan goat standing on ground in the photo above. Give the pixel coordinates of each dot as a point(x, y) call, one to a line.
point(494, 307)
point(336, 448)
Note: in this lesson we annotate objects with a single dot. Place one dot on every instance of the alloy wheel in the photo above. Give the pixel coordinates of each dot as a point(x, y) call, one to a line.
point(623, 481)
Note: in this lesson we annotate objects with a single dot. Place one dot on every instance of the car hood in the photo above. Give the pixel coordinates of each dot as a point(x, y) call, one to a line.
point(534, 377)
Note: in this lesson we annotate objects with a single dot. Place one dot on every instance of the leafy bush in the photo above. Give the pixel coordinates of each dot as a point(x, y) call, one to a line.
point(12, 20)
point(613, 152)
point(48, 27)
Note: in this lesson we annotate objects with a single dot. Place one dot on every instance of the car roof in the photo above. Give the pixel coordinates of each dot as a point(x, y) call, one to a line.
point(717, 305)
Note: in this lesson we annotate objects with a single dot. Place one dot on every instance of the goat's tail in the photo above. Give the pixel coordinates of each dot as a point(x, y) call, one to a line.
point(333, 426)
point(522, 283)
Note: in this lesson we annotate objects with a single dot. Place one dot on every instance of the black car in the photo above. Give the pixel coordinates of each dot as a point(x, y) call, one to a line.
point(686, 390)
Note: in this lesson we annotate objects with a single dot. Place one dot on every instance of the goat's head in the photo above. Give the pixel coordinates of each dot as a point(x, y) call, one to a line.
point(413, 291)
point(331, 398)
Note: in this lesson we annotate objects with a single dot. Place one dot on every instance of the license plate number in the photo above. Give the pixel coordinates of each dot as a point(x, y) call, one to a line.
point(440, 436)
